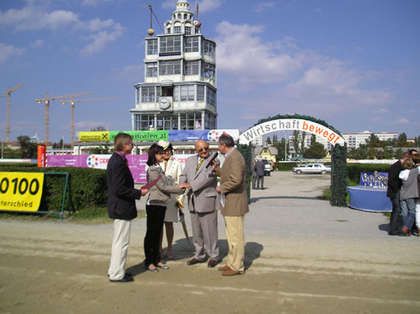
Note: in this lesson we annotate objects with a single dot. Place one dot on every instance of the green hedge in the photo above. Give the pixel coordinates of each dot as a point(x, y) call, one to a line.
point(286, 166)
point(87, 187)
point(354, 170)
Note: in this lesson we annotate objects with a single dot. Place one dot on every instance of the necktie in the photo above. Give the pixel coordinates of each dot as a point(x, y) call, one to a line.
point(200, 162)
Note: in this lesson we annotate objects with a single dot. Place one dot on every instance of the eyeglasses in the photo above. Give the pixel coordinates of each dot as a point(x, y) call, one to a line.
point(203, 149)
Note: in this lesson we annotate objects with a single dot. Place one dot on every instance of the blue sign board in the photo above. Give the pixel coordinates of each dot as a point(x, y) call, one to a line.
point(374, 179)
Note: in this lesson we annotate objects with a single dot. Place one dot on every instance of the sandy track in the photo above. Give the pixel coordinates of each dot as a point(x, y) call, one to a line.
point(303, 257)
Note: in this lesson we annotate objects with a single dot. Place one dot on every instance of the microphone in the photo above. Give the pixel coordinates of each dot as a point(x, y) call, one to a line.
point(213, 158)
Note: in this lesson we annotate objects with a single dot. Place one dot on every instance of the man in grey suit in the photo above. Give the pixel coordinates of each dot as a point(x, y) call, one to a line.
point(199, 174)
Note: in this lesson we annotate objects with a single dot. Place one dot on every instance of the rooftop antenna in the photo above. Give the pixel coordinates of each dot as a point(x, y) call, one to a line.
point(197, 22)
point(151, 31)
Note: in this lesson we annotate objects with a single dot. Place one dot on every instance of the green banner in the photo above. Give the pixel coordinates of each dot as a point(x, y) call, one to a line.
point(143, 136)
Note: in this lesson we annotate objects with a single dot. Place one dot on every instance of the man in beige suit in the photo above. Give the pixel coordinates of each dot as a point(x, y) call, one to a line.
point(234, 201)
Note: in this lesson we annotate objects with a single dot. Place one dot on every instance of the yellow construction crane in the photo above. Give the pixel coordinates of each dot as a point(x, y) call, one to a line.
point(47, 100)
point(8, 94)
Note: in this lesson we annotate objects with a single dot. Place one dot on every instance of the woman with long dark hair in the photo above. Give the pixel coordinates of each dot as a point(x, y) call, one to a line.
point(159, 194)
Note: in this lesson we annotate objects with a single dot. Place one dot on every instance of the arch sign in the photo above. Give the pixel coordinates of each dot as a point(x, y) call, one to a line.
point(289, 125)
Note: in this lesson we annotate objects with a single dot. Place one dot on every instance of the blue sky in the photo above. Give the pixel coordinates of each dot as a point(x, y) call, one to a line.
point(354, 63)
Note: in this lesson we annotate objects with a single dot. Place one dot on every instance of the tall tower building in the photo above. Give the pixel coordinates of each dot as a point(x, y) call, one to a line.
point(179, 89)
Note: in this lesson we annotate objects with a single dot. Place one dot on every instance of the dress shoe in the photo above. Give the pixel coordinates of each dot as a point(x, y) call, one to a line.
point(223, 268)
point(212, 263)
point(126, 278)
point(231, 272)
point(194, 261)
point(162, 266)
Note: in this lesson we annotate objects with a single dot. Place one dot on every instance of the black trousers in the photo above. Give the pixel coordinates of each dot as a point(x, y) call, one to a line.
point(260, 182)
point(155, 218)
point(395, 222)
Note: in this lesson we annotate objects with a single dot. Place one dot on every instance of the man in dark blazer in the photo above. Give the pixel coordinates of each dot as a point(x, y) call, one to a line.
point(393, 192)
point(121, 205)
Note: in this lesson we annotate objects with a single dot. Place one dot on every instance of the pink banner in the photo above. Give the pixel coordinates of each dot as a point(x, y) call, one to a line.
point(136, 163)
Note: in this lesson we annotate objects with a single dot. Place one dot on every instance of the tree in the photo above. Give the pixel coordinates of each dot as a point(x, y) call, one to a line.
point(397, 153)
point(298, 142)
point(282, 148)
point(27, 148)
point(316, 151)
point(402, 140)
point(388, 152)
point(102, 149)
point(373, 141)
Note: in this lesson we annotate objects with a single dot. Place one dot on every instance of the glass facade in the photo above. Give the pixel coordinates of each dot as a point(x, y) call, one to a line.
point(191, 44)
point(170, 67)
point(209, 48)
point(152, 47)
point(148, 94)
point(191, 67)
point(170, 45)
point(151, 69)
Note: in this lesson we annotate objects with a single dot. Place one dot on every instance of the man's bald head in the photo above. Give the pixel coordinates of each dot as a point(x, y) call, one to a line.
point(202, 148)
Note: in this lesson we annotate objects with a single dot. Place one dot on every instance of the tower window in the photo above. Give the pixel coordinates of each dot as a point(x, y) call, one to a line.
point(191, 44)
point(170, 67)
point(170, 45)
point(148, 94)
point(152, 47)
point(188, 93)
point(208, 71)
point(187, 30)
point(151, 69)
point(177, 29)
point(191, 67)
point(200, 92)
point(209, 48)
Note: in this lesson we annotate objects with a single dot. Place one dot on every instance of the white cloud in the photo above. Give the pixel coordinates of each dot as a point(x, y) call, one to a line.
point(403, 121)
point(283, 71)
point(38, 43)
point(94, 3)
point(243, 53)
point(32, 18)
point(204, 5)
point(8, 51)
point(100, 39)
point(262, 6)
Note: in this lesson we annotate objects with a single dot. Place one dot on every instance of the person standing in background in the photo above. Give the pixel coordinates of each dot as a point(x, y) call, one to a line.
point(259, 172)
point(393, 192)
point(234, 199)
point(121, 205)
point(172, 169)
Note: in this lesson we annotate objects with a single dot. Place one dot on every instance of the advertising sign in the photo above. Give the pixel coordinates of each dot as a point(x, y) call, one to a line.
point(374, 179)
point(143, 136)
point(136, 163)
point(94, 136)
point(21, 191)
point(41, 155)
point(291, 124)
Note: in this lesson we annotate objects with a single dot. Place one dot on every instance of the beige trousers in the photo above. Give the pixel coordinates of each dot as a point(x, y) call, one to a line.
point(236, 242)
point(119, 250)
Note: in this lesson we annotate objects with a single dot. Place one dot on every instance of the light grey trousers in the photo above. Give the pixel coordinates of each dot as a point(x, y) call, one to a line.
point(120, 241)
point(205, 236)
